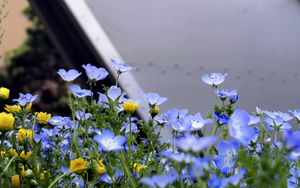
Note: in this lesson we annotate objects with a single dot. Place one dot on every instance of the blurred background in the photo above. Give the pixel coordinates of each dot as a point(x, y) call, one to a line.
point(170, 43)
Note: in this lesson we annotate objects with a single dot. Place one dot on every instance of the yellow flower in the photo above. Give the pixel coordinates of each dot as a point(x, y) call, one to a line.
point(42, 117)
point(4, 93)
point(99, 167)
point(22, 170)
point(42, 176)
point(7, 121)
point(25, 156)
point(12, 108)
point(2, 153)
point(15, 181)
point(130, 106)
point(25, 134)
point(28, 106)
point(78, 165)
point(139, 167)
point(13, 152)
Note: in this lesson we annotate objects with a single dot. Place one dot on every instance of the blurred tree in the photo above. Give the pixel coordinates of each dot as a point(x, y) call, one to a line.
point(33, 68)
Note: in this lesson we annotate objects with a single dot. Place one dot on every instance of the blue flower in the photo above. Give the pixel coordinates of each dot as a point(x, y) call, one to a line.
point(225, 93)
point(199, 166)
point(68, 76)
point(160, 180)
point(109, 142)
point(217, 182)
point(178, 157)
point(78, 92)
point(81, 115)
point(239, 127)
point(292, 140)
point(296, 113)
point(181, 124)
point(154, 99)
point(121, 67)
point(221, 118)
point(198, 122)
point(214, 79)
point(193, 143)
point(126, 127)
point(284, 116)
point(25, 99)
point(61, 122)
point(227, 154)
point(103, 100)
point(114, 93)
point(95, 73)
point(277, 123)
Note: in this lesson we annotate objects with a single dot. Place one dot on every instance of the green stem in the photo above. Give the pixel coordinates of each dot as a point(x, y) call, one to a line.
point(127, 171)
point(63, 175)
point(7, 166)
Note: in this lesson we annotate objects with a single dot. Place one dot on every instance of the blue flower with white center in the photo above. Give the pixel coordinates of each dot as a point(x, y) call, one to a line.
point(221, 118)
point(193, 143)
point(178, 157)
point(114, 93)
point(284, 116)
point(277, 123)
point(214, 79)
point(181, 124)
point(95, 73)
point(239, 127)
point(68, 76)
point(160, 180)
point(81, 115)
point(199, 167)
point(198, 122)
point(296, 114)
point(78, 92)
point(154, 98)
point(225, 93)
point(217, 182)
point(25, 99)
point(109, 142)
point(292, 140)
point(227, 154)
point(121, 67)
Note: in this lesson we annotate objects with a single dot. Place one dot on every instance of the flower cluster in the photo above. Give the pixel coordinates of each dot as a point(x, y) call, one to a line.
point(104, 143)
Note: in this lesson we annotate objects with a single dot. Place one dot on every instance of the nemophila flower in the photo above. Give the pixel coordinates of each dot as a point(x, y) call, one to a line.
point(25, 99)
point(277, 123)
point(130, 106)
point(81, 115)
point(193, 143)
point(160, 180)
point(198, 122)
point(127, 125)
point(199, 166)
point(42, 117)
point(221, 118)
point(25, 134)
point(115, 177)
point(139, 167)
point(12, 108)
point(284, 116)
point(177, 156)
point(296, 114)
point(61, 122)
point(154, 99)
point(78, 92)
point(95, 73)
point(292, 140)
point(227, 154)
point(227, 93)
point(239, 127)
point(214, 79)
point(68, 76)
point(121, 67)
point(4, 93)
point(109, 142)
point(102, 100)
point(253, 119)
point(114, 93)
point(7, 121)
point(217, 182)
point(25, 155)
point(78, 165)
point(181, 124)
point(15, 181)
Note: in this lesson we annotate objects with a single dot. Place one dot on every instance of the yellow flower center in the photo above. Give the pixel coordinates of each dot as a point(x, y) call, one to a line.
point(130, 106)
point(78, 165)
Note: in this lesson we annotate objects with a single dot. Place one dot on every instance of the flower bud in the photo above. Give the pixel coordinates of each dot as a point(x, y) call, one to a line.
point(15, 181)
point(6, 121)
point(154, 110)
point(28, 174)
point(4, 93)
point(24, 134)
